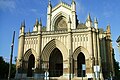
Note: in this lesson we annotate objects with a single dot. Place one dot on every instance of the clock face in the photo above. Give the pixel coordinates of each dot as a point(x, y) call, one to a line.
point(61, 24)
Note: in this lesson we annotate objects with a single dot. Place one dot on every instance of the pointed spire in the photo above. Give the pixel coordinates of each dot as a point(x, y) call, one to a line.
point(108, 33)
point(37, 22)
point(89, 18)
point(95, 20)
point(23, 24)
point(73, 6)
point(108, 29)
point(40, 26)
point(73, 0)
point(49, 2)
point(22, 29)
point(40, 22)
point(95, 23)
point(49, 7)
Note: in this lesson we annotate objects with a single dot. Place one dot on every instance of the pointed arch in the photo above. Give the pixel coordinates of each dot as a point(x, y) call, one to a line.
point(29, 56)
point(50, 46)
point(28, 53)
point(31, 64)
point(56, 63)
point(80, 62)
point(59, 16)
point(81, 49)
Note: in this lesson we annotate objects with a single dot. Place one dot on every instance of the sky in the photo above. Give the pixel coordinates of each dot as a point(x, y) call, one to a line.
point(13, 12)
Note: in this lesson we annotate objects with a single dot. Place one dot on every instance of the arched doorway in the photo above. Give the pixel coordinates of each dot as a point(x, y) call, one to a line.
point(56, 63)
point(31, 64)
point(80, 62)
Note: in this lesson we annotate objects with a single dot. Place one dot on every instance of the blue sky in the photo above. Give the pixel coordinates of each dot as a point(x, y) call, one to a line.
point(13, 12)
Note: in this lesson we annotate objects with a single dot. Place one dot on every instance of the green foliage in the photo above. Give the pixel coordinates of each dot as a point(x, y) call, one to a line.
point(116, 69)
point(4, 69)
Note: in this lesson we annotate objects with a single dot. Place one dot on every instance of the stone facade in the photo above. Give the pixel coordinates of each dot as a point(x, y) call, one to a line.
point(64, 47)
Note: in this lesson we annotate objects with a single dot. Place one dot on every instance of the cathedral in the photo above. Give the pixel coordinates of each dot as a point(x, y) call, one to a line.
point(65, 49)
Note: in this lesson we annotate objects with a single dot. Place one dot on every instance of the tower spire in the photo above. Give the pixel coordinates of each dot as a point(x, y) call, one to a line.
point(89, 18)
point(23, 24)
point(95, 23)
point(49, 2)
point(40, 22)
point(95, 20)
point(37, 22)
point(108, 29)
point(89, 21)
point(40, 27)
point(22, 28)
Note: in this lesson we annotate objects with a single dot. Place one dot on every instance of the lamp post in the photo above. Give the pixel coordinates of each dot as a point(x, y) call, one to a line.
point(11, 55)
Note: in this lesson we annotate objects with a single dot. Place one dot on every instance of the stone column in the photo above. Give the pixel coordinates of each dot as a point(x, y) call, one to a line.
point(20, 49)
point(39, 43)
point(21, 46)
point(19, 64)
point(70, 69)
point(95, 47)
point(99, 57)
point(90, 48)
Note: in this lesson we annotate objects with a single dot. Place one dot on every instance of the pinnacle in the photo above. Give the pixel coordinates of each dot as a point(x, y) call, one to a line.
point(23, 24)
point(95, 20)
point(89, 18)
point(40, 22)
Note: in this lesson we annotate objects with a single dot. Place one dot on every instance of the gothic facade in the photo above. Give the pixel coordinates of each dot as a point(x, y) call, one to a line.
point(66, 50)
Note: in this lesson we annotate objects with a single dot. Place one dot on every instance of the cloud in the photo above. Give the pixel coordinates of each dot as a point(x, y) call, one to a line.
point(107, 14)
point(34, 11)
point(107, 10)
point(7, 5)
point(79, 6)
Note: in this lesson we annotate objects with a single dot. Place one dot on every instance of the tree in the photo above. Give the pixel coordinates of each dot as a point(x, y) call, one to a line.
point(4, 68)
point(116, 68)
